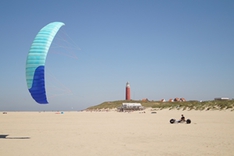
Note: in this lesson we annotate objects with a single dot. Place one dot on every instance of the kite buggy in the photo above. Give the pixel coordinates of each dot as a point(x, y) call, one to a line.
point(182, 120)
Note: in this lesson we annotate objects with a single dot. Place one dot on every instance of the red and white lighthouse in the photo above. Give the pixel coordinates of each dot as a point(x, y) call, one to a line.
point(128, 97)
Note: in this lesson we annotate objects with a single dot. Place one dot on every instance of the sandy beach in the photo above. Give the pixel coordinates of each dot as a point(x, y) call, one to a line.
point(117, 133)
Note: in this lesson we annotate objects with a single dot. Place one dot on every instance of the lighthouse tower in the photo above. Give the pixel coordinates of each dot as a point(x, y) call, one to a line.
point(128, 97)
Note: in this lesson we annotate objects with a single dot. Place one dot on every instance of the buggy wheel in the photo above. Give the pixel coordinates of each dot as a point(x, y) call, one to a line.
point(188, 121)
point(172, 121)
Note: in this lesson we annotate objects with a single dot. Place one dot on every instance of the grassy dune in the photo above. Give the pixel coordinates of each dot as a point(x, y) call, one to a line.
point(188, 105)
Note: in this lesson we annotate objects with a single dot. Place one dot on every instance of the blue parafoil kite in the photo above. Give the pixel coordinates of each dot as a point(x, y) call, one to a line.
point(35, 63)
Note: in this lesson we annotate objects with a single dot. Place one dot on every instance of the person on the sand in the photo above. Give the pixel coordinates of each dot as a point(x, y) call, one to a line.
point(182, 119)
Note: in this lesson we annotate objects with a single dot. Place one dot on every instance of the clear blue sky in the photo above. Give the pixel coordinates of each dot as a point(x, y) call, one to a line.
point(163, 48)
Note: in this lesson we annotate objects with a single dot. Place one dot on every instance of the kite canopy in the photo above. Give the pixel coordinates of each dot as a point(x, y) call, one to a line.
point(35, 64)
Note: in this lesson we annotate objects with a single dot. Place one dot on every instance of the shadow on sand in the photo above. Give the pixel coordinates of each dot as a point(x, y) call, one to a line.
point(6, 136)
point(3, 135)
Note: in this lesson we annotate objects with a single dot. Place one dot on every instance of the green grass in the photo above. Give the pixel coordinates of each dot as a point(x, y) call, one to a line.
point(188, 105)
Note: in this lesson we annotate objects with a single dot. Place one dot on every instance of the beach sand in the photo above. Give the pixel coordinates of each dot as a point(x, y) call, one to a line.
point(211, 133)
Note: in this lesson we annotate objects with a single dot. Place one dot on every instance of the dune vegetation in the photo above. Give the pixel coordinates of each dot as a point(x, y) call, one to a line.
point(187, 105)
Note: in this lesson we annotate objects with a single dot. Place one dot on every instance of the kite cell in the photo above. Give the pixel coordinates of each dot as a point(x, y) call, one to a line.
point(35, 64)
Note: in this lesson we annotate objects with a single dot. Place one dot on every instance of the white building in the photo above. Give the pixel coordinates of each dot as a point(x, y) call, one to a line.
point(131, 106)
point(222, 98)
